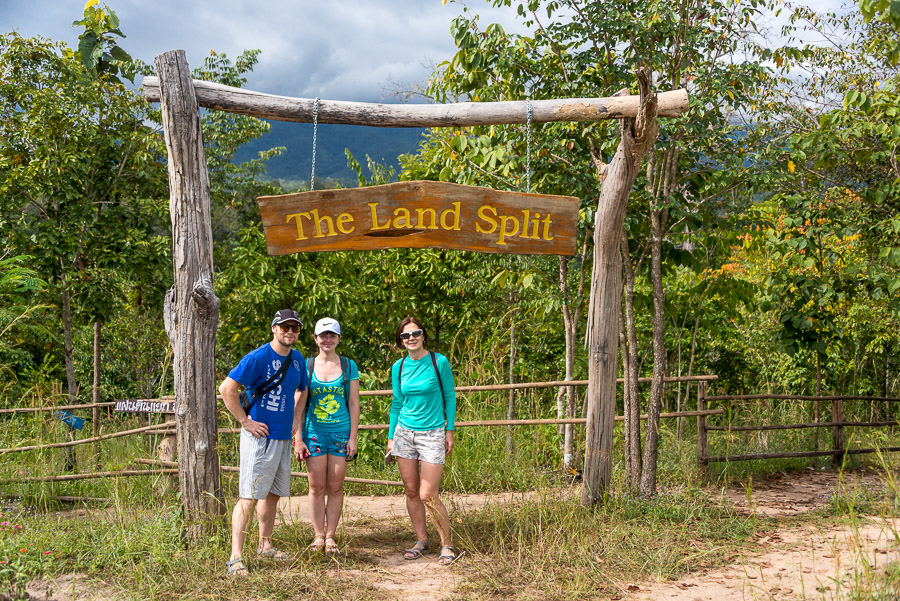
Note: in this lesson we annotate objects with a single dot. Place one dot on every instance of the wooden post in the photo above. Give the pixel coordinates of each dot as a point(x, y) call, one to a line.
point(191, 311)
point(95, 414)
point(637, 138)
point(166, 450)
point(702, 441)
point(837, 431)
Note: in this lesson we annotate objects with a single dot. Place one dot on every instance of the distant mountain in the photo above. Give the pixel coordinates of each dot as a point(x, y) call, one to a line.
point(383, 144)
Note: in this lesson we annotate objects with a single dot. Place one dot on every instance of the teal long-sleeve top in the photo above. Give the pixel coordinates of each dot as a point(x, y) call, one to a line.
point(417, 403)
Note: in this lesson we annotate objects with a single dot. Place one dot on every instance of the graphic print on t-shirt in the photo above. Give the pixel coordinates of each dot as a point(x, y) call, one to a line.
point(274, 395)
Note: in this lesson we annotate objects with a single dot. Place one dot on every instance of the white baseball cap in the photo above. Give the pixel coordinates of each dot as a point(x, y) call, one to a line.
point(326, 324)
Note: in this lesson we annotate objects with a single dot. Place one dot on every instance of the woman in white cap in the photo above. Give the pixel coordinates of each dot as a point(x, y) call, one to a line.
point(327, 439)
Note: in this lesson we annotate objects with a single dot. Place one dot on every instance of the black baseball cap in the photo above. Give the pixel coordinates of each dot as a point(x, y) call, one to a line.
point(286, 315)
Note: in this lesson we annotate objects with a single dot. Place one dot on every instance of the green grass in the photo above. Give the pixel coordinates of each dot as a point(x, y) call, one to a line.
point(544, 547)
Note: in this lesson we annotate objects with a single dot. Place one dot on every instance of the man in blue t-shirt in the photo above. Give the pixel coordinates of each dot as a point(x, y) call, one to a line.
point(266, 432)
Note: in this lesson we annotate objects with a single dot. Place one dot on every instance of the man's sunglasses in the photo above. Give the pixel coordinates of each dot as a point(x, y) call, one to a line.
point(290, 327)
point(413, 334)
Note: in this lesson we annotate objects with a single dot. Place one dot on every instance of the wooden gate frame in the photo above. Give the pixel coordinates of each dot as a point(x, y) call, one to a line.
point(191, 311)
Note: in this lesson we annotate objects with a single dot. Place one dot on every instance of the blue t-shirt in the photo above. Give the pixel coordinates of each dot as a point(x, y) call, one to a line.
point(327, 409)
point(276, 408)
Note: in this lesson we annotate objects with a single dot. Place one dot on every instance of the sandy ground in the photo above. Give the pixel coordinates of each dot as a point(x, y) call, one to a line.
point(786, 563)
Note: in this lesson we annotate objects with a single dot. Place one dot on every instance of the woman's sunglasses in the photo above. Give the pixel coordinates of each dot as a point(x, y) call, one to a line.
point(408, 335)
point(290, 327)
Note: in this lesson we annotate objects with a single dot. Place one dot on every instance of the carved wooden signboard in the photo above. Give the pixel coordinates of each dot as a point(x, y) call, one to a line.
point(420, 214)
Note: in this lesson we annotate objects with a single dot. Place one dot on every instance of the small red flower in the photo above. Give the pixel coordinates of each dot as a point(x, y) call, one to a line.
point(22, 550)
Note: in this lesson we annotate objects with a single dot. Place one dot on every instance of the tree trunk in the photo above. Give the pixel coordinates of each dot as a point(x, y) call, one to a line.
point(630, 373)
point(637, 137)
point(191, 310)
point(687, 391)
point(69, 346)
point(654, 404)
point(511, 406)
point(95, 397)
point(565, 403)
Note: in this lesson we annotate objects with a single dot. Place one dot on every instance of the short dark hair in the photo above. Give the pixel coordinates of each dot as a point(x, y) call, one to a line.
point(405, 322)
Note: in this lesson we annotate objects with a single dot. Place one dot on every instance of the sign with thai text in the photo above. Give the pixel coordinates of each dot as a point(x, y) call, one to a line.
point(420, 214)
point(145, 406)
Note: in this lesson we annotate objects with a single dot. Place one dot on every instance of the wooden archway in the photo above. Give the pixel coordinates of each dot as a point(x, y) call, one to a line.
point(192, 310)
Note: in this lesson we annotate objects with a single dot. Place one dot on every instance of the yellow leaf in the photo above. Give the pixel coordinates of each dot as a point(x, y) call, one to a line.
point(91, 3)
point(791, 166)
point(444, 3)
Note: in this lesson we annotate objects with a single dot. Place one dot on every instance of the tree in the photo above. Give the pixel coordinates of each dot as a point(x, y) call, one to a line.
point(76, 161)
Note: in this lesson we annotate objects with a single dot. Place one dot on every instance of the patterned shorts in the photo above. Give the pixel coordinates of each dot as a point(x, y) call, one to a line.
point(424, 445)
point(322, 442)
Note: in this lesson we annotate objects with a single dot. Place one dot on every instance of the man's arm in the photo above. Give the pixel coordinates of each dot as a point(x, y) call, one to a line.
point(230, 391)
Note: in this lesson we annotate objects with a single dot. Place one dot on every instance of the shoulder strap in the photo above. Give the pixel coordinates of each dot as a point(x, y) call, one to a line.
point(400, 374)
point(277, 378)
point(345, 380)
point(436, 372)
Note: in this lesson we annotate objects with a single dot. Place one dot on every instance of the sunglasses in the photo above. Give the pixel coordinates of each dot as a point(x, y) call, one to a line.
point(290, 327)
point(413, 334)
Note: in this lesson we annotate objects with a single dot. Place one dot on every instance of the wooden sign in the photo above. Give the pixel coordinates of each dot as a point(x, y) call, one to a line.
point(145, 406)
point(420, 214)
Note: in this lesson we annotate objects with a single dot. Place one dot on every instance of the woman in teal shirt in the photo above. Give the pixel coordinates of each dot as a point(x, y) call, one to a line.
point(327, 438)
point(420, 436)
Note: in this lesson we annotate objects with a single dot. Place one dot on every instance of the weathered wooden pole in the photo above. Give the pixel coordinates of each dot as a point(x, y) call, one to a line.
point(638, 136)
point(300, 110)
point(191, 310)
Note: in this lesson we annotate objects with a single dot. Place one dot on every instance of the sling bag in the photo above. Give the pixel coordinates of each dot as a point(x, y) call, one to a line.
point(273, 382)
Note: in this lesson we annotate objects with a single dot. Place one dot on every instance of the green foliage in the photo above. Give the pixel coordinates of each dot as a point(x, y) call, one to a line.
point(97, 46)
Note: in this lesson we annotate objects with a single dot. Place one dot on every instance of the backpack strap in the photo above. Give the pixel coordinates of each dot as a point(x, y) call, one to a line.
point(345, 374)
point(400, 374)
point(436, 372)
point(345, 379)
point(433, 364)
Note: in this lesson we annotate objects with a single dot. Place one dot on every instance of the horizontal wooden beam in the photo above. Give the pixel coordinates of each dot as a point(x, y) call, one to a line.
point(726, 458)
point(300, 110)
point(800, 426)
point(797, 397)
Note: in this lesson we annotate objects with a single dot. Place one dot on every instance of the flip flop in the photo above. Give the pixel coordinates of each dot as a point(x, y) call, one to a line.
point(416, 551)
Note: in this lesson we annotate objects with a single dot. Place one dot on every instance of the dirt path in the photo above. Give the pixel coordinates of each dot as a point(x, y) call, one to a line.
point(808, 563)
point(798, 563)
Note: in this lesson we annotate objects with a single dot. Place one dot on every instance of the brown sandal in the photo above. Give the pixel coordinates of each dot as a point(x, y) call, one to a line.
point(331, 545)
point(317, 545)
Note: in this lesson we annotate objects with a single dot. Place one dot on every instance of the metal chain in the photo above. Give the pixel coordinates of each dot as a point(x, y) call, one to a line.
point(312, 176)
point(530, 111)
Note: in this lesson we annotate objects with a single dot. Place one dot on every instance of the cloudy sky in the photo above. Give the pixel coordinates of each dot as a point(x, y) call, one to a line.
point(337, 49)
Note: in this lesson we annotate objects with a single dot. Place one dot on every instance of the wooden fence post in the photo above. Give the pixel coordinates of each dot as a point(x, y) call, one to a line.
point(702, 442)
point(191, 312)
point(837, 432)
point(166, 449)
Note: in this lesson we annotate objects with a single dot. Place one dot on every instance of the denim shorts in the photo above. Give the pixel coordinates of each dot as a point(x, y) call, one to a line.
point(425, 445)
point(323, 442)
